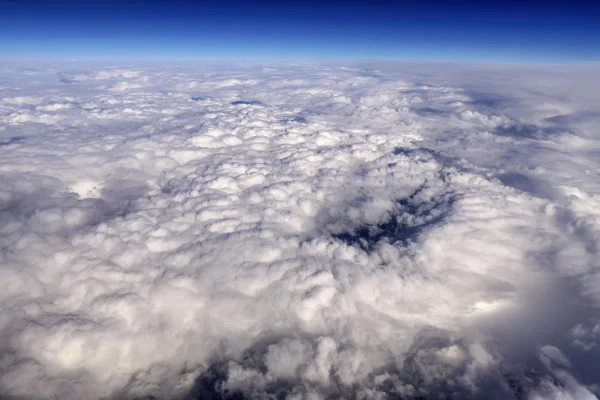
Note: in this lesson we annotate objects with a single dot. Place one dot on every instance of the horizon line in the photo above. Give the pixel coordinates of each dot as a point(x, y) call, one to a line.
point(300, 61)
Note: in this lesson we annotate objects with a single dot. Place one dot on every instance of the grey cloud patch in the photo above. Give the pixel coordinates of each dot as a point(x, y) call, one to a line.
point(428, 111)
point(66, 80)
point(379, 231)
point(565, 120)
point(12, 140)
point(535, 186)
point(527, 131)
point(247, 103)
point(299, 119)
point(487, 100)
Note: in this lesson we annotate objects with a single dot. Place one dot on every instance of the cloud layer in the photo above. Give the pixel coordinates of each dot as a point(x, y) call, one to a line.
point(299, 231)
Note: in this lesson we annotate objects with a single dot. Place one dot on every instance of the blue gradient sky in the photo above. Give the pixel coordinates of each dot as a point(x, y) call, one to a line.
point(300, 30)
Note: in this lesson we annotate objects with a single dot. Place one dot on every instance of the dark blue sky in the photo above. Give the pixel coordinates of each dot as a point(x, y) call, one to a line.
point(300, 30)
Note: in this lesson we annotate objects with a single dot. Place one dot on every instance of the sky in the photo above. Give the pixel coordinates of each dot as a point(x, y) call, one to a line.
point(300, 30)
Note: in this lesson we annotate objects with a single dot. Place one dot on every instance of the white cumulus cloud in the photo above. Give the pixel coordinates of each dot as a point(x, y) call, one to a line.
point(366, 231)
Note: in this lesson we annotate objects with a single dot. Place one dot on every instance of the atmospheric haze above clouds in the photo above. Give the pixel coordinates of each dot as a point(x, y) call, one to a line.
point(294, 231)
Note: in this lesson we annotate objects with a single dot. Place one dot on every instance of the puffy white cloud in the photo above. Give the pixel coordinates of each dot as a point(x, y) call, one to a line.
point(298, 232)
